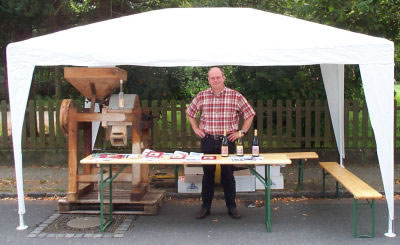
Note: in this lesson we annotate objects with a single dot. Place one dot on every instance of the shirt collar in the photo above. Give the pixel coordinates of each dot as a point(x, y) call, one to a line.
point(220, 93)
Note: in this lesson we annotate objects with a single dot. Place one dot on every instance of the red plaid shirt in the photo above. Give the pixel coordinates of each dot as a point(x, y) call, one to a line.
point(219, 112)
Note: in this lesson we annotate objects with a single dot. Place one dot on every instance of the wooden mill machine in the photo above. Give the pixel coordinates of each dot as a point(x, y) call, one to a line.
point(117, 113)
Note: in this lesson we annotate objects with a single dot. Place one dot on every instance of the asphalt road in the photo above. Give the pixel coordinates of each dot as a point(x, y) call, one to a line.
point(312, 221)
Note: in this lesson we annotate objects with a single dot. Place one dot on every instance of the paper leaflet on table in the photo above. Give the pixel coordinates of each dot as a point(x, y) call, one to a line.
point(150, 155)
point(245, 158)
point(178, 155)
point(110, 156)
point(194, 156)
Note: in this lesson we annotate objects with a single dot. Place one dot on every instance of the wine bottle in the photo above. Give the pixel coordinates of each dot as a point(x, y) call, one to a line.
point(239, 145)
point(255, 150)
point(224, 146)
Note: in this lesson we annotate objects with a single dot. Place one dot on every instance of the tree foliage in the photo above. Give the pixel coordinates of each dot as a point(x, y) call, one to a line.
point(22, 19)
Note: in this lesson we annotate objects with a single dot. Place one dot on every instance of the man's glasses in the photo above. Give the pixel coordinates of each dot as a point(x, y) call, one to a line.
point(215, 78)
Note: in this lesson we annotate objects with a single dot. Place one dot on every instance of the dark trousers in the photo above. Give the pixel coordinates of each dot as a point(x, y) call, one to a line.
point(209, 145)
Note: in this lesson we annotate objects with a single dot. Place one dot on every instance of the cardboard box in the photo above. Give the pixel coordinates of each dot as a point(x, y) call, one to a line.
point(277, 182)
point(242, 172)
point(245, 183)
point(192, 186)
point(189, 170)
point(275, 170)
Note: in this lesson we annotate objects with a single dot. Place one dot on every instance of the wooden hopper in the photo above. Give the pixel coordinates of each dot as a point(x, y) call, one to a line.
point(95, 83)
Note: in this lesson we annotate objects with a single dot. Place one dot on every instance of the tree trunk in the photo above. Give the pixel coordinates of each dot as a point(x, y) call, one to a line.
point(104, 10)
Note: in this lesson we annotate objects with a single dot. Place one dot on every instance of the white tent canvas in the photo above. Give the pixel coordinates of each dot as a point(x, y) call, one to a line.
point(218, 36)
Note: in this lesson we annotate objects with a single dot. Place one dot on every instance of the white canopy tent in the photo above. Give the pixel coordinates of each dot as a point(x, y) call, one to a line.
point(218, 36)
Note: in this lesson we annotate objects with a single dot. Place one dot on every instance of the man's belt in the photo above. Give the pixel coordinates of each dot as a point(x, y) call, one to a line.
point(214, 137)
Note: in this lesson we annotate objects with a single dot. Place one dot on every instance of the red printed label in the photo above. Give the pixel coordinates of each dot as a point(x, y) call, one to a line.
point(224, 151)
point(255, 150)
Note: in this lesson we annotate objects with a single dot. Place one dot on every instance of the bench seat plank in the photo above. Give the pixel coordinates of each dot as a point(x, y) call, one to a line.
point(302, 155)
point(353, 184)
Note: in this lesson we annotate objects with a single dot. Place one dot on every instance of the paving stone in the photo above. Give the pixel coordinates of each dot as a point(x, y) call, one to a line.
point(97, 235)
point(69, 235)
point(118, 235)
point(78, 235)
point(88, 235)
point(108, 235)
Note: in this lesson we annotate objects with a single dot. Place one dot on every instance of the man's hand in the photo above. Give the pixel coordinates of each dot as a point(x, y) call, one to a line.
point(199, 132)
point(233, 136)
point(196, 128)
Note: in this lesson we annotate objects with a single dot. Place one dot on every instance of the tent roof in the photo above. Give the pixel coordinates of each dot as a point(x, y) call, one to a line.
point(217, 36)
point(202, 37)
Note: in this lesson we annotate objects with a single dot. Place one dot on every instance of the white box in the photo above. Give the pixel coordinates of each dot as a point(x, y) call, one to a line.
point(192, 170)
point(275, 170)
point(277, 182)
point(245, 183)
point(193, 178)
point(190, 187)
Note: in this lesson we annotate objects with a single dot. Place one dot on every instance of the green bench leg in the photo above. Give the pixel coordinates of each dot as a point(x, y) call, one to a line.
point(324, 174)
point(355, 207)
point(176, 170)
point(323, 182)
point(354, 218)
point(300, 178)
point(337, 189)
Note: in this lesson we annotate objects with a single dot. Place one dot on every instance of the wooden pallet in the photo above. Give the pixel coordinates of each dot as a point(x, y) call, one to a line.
point(122, 203)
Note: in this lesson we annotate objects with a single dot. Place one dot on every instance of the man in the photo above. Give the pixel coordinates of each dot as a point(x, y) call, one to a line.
point(220, 109)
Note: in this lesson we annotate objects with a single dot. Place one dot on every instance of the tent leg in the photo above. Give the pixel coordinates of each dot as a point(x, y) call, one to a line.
point(390, 232)
point(21, 226)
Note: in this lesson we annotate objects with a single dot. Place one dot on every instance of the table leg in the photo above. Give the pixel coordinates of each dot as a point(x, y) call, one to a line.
point(268, 198)
point(110, 196)
point(101, 198)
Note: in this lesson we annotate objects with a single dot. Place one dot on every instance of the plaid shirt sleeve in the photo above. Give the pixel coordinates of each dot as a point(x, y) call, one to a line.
point(193, 108)
point(245, 108)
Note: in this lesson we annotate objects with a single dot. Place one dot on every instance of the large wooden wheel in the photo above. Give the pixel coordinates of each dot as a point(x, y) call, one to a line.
point(66, 105)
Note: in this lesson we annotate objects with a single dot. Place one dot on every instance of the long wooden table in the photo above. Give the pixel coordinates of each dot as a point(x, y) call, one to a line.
point(268, 160)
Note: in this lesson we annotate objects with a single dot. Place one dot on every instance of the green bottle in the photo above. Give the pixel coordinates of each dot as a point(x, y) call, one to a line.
point(239, 146)
point(224, 146)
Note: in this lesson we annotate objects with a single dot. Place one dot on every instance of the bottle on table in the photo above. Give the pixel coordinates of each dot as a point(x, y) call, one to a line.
point(224, 146)
point(239, 145)
point(255, 150)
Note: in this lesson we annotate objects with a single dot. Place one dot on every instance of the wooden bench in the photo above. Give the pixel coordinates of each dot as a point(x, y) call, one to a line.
point(300, 158)
point(358, 188)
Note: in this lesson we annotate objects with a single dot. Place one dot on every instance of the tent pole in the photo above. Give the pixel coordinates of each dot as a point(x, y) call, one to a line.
point(390, 232)
point(22, 225)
